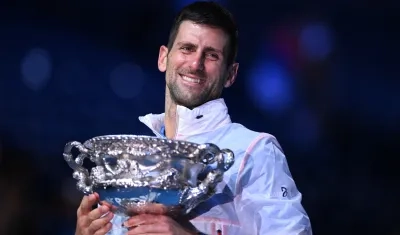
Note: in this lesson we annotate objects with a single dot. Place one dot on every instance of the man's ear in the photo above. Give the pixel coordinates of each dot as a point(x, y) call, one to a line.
point(162, 59)
point(232, 73)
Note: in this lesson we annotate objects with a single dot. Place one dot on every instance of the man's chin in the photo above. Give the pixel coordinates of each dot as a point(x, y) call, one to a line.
point(189, 105)
point(188, 99)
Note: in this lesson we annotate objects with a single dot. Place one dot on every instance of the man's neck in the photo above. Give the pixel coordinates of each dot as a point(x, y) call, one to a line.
point(170, 120)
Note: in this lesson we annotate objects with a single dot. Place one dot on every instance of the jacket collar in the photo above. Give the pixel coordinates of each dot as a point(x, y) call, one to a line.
point(205, 118)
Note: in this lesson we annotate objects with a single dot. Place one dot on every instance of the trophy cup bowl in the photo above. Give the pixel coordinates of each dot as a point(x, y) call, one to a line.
point(136, 174)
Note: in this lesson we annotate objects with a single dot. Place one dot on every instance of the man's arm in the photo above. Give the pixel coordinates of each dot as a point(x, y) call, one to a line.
point(267, 200)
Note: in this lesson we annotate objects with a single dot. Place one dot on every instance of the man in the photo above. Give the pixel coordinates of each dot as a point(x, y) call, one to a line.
point(257, 194)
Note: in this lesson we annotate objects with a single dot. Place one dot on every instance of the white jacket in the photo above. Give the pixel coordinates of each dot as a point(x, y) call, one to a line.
point(257, 195)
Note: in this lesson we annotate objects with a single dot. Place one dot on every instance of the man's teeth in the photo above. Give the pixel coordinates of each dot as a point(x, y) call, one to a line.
point(188, 79)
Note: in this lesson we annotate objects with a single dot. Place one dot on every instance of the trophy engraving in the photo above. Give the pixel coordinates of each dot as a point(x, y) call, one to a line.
point(142, 174)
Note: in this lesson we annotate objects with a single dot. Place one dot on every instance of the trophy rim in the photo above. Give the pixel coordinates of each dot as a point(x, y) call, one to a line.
point(135, 138)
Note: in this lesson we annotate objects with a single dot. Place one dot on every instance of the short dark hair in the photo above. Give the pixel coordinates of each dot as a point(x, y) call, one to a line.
point(211, 14)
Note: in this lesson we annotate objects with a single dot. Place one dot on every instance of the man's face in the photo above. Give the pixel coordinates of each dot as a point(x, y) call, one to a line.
point(196, 69)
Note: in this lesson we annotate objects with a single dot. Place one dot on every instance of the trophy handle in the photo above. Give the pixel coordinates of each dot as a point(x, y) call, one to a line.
point(80, 173)
point(224, 159)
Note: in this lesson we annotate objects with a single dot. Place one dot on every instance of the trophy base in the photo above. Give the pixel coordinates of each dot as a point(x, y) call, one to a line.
point(132, 201)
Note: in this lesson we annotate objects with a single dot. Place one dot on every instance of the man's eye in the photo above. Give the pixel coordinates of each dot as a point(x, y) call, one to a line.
point(186, 49)
point(213, 56)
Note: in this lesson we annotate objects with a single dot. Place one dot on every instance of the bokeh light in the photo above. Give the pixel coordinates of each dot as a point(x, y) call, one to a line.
point(316, 41)
point(269, 87)
point(36, 68)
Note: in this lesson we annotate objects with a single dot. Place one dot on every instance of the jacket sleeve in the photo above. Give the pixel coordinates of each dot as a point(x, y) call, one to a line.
point(268, 201)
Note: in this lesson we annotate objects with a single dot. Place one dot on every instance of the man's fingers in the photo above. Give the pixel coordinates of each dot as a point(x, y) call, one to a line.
point(151, 208)
point(86, 204)
point(98, 212)
point(144, 219)
point(104, 229)
point(137, 220)
point(149, 229)
point(112, 207)
point(99, 224)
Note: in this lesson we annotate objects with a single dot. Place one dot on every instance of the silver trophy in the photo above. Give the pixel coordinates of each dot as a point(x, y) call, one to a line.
point(141, 174)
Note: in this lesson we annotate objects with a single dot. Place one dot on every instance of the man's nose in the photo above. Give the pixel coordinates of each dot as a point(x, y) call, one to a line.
point(197, 63)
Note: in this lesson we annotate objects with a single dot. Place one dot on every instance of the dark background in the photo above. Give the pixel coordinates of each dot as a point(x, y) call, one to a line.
point(320, 76)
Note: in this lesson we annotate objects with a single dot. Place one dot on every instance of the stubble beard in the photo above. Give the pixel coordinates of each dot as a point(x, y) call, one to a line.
point(185, 97)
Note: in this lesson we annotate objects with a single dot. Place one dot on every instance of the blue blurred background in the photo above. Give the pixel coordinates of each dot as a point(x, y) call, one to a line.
point(320, 76)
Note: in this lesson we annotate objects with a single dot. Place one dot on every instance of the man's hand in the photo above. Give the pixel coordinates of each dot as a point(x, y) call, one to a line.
point(156, 224)
point(92, 222)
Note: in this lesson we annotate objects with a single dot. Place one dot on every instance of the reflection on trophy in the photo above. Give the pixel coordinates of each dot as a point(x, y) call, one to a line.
point(142, 174)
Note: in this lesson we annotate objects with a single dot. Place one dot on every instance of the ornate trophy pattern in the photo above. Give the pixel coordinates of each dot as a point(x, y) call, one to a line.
point(142, 174)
